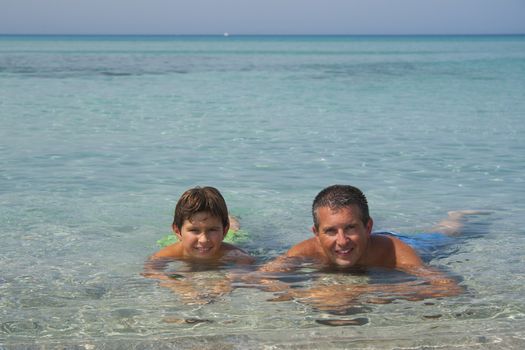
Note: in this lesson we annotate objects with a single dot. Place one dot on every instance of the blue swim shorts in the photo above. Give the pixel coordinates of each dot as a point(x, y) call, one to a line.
point(429, 245)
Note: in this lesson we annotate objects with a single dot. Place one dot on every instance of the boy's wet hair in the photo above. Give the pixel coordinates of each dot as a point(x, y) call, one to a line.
point(201, 199)
point(340, 196)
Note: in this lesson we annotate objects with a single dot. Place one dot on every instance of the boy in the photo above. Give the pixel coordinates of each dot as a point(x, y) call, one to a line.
point(201, 222)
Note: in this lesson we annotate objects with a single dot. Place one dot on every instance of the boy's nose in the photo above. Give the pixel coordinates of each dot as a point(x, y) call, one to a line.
point(203, 237)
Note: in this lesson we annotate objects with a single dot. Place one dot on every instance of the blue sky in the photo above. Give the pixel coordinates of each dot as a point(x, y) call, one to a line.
point(262, 16)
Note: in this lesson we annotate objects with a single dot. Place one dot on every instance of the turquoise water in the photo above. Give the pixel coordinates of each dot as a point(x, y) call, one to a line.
point(99, 136)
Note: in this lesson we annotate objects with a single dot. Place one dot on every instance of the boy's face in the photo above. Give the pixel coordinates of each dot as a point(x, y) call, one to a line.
point(201, 236)
point(342, 234)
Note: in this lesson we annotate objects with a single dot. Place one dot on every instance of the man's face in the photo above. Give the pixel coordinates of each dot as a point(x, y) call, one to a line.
point(342, 234)
point(201, 236)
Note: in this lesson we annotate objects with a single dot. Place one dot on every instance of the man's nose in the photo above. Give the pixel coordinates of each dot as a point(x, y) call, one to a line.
point(341, 237)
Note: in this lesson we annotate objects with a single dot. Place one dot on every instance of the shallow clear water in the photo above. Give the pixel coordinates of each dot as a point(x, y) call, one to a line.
point(100, 135)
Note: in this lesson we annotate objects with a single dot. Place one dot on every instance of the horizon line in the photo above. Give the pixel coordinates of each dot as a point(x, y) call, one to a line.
point(228, 34)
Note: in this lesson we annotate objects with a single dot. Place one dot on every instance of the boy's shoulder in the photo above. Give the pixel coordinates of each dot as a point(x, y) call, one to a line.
point(236, 254)
point(173, 251)
point(229, 253)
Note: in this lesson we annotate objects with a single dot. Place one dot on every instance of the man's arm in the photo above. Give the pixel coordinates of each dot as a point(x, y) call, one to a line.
point(431, 282)
point(385, 252)
point(267, 276)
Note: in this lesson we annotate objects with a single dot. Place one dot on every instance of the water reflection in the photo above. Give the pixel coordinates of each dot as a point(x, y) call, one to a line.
point(342, 292)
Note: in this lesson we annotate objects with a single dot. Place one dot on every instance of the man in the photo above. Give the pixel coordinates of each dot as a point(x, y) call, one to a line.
point(343, 234)
point(343, 239)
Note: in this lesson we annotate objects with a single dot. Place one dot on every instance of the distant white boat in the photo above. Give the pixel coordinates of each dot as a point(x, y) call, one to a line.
point(226, 34)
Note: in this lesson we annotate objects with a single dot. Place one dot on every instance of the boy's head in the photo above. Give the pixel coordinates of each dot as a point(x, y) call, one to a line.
point(338, 197)
point(201, 199)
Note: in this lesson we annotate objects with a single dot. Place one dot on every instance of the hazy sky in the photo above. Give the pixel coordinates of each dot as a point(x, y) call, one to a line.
point(262, 16)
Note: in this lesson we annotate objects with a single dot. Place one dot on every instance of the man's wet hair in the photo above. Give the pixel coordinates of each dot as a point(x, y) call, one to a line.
point(337, 197)
point(201, 199)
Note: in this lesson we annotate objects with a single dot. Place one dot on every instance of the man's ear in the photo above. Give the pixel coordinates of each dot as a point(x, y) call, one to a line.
point(369, 226)
point(176, 231)
point(314, 230)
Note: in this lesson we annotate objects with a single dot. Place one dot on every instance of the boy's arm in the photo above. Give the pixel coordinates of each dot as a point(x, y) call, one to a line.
point(154, 268)
point(191, 291)
point(156, 264)
point(195, 291)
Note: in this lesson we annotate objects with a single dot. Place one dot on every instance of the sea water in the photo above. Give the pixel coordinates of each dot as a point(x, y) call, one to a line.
point(100, 135)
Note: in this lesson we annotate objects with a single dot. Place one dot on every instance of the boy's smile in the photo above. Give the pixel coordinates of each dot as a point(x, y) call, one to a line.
point(201, 236)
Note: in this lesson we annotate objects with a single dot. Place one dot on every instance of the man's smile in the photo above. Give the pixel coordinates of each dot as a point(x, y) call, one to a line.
point(343, 252)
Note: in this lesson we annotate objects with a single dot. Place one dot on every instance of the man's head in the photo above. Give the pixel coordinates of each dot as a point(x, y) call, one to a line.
point(342, 225)
point(337, 197)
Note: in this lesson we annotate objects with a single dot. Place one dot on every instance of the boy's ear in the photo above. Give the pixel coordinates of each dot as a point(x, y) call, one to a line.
point(226, 229)
point(176, 231)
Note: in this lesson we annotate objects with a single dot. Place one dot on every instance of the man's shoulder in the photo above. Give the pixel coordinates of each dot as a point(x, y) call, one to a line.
point(393, 252)
point(306, 248)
